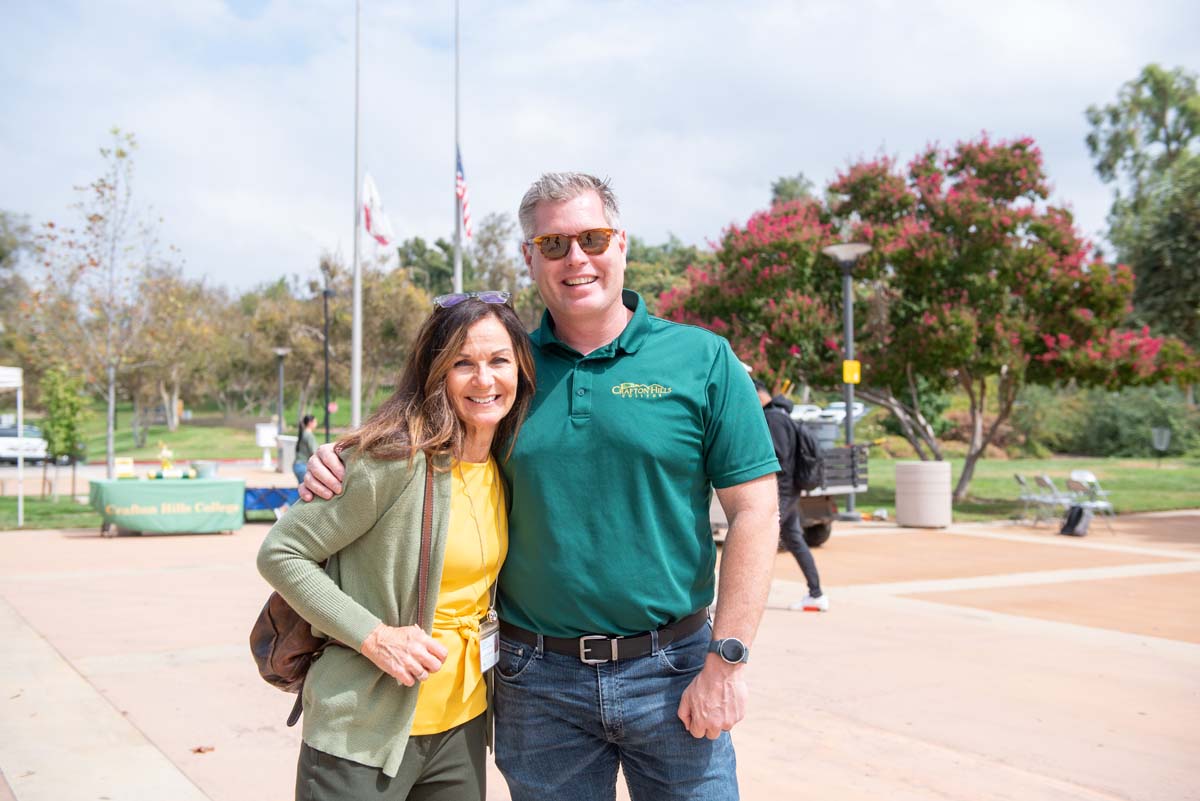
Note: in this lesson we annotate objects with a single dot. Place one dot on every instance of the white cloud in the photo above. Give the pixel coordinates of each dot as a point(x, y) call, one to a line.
point(245, 119)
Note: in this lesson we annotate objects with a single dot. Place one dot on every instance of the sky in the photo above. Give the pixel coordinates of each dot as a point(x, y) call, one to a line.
point(244, 110)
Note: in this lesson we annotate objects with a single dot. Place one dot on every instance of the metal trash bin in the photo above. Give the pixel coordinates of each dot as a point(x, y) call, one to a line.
point(825, 431)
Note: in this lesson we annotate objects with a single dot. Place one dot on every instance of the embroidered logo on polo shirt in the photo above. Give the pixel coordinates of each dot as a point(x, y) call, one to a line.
point(632, 390)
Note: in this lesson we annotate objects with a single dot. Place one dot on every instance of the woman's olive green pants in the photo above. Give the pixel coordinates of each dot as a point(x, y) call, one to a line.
point(450, 766)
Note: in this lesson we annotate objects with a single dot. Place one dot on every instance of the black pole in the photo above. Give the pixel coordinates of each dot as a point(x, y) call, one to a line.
point(848, 320)
point(326, 298)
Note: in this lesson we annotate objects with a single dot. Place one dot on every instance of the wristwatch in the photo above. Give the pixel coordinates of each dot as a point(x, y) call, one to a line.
point(731, 649)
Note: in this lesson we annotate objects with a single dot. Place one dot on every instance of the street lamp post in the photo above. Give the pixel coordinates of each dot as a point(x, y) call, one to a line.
point(326, 294)
point(846, 255)
point(279, 354)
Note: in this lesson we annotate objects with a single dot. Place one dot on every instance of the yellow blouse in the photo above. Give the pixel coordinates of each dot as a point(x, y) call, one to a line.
point(476, 544)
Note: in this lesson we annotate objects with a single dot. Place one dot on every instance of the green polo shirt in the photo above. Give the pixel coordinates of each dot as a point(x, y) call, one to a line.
point(612, 476)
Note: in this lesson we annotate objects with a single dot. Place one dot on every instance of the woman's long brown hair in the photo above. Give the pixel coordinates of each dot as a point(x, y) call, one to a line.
point(419, 416)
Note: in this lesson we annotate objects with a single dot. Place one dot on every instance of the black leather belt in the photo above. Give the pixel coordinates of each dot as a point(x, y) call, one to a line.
point(596, 649)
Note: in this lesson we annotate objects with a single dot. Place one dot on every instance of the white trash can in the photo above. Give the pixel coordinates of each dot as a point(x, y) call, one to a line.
point(287, 448)
point(923, 494)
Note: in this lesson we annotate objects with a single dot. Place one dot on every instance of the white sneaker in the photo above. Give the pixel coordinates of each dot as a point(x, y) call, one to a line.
point(811, 604)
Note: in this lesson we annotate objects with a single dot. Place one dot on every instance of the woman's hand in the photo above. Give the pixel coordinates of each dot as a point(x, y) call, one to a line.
point(324, 476)
point(407, 653)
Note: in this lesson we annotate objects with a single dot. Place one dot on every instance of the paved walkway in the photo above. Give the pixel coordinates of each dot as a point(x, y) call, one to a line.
point(982, 662)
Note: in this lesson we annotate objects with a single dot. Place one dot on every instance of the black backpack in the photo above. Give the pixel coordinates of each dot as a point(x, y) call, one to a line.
point(808, 462)
point(1077, 521)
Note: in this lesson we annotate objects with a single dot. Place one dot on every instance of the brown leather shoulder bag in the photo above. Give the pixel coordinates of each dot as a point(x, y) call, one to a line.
point(282, 642)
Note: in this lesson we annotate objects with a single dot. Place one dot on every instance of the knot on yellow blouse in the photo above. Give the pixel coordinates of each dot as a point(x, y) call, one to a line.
point(468, 667)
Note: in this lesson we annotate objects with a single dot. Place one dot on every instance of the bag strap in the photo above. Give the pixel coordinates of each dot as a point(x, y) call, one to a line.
point(426, 542)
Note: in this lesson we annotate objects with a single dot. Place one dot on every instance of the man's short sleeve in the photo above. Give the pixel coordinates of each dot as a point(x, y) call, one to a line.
point(737, 444)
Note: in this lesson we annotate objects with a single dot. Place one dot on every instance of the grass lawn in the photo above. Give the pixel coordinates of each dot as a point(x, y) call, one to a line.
point(203, 437)
point(1136, 485)
point(39, 513)
point(197, 439)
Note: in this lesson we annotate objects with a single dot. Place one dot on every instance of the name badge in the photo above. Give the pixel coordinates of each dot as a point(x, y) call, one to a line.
point(489, 645)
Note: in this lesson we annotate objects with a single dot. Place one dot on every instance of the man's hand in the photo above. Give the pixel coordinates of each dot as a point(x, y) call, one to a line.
point(715, 700)
point(405, 653)
point(324, 476)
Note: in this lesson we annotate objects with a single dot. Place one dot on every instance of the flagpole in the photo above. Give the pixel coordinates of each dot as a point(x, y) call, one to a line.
point(458, 282)
point(356, 327)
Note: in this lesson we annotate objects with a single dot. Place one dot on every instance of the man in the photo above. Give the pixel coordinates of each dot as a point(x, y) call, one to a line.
point(607, 657)
point(783, 436)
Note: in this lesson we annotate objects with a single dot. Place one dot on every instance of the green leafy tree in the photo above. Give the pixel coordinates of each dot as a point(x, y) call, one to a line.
point(1144, 144)
point(66, 410)
point(494, 255)
point(1153, 122)
point(1163, 246)
point(432, 267)
point(393, 309)
point(652, 270)
point(179, 335)
point(974, 282)
point(790, 188)
point(15, 239)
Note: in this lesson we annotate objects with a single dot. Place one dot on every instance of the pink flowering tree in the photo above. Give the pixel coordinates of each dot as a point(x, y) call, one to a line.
point(974, 282)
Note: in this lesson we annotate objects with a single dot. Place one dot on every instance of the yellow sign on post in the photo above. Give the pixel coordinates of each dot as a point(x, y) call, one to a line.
point(851, 371)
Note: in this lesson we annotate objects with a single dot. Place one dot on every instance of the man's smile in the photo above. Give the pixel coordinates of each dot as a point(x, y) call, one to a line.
point(580, 280)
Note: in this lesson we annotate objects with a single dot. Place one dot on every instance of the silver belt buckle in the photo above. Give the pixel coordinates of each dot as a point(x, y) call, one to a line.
point(583, 650)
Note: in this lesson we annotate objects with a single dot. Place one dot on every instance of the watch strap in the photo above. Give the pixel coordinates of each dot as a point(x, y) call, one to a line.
point(716, 647)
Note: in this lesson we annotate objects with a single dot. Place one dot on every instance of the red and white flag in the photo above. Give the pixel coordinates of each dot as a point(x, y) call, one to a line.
point(374, 218)
point(460, 189)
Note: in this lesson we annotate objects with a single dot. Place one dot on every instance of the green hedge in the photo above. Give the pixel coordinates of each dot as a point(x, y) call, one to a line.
point(1094, 422)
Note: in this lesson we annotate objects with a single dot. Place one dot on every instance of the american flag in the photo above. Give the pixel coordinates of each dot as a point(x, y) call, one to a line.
point(460, 189)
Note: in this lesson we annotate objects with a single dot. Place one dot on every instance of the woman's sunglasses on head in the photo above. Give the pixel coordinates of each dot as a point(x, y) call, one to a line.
point(487, 296)
point(593, 242)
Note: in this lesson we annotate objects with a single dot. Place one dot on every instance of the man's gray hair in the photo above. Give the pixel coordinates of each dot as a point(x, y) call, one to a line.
point(560, 186)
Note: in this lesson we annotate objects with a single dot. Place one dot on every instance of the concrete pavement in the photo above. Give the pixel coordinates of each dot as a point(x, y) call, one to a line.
point(981, 662)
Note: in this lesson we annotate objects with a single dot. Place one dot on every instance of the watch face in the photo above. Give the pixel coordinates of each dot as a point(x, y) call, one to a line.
point(732, 651)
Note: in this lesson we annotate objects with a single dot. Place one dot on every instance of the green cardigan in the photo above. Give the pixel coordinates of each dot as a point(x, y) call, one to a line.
point(371, 534)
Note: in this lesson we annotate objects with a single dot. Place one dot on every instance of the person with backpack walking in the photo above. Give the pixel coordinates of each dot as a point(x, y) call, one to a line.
point(792, 475)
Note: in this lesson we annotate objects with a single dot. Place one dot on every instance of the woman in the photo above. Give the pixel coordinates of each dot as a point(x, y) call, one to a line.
point(306, 445)
point(419, 731)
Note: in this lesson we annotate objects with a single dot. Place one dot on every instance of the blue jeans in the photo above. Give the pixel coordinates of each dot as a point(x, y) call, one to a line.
point(563, 727)
point(299, 470)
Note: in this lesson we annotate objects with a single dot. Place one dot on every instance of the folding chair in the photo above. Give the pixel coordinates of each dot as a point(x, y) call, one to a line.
point(1088, 478)
point(1027, 497)
point(1088, 500)
point(1051, 499)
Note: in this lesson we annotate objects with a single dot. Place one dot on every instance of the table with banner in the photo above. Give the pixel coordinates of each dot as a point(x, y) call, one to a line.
point(169, 506)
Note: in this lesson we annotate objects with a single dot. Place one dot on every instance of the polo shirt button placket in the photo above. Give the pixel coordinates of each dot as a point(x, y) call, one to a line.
point(581, 393)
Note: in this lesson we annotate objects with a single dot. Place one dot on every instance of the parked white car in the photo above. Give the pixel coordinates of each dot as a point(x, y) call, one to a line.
point(33, 447)
point(805, 411)
point(836, 411)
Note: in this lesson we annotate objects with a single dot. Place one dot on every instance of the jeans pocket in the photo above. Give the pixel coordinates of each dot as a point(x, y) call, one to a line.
point(513, 659)
point(684, 658)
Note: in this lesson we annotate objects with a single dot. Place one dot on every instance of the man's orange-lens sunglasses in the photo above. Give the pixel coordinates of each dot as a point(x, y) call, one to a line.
point(593, 242)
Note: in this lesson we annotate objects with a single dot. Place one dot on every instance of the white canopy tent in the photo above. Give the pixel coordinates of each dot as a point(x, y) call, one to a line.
point(10, 378)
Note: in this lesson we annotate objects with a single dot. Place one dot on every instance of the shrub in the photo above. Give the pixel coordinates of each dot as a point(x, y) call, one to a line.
point(1095, 422)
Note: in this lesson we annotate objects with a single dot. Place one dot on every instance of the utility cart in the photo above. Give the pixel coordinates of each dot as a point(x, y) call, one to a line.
point(845, 473)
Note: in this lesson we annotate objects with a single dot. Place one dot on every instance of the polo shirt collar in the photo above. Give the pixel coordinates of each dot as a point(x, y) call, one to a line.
point(628, 341)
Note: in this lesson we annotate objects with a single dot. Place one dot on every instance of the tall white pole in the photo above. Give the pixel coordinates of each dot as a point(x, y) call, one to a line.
point(356, 328)
point(458, 282)
point(21, 451)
